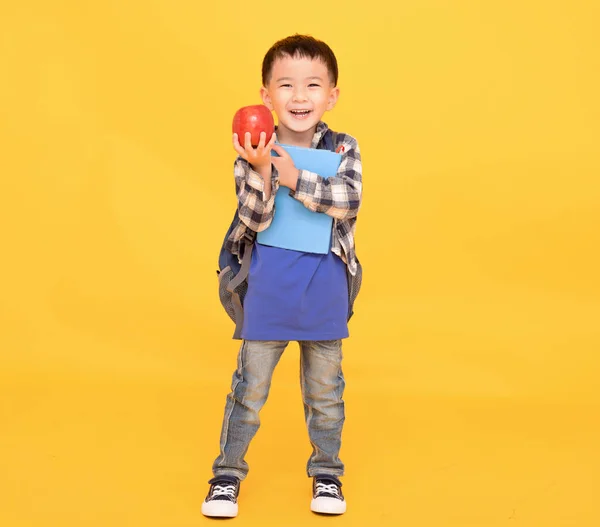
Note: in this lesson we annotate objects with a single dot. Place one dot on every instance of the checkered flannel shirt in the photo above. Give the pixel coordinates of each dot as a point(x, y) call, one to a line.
point(340, 197)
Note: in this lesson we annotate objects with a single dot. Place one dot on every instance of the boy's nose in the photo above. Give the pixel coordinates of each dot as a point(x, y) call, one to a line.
point(299, 96)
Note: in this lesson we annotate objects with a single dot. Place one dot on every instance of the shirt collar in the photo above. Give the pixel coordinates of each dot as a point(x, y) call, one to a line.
point(319, 133)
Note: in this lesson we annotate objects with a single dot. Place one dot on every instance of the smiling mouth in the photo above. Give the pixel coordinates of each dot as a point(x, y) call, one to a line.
point(300, 113)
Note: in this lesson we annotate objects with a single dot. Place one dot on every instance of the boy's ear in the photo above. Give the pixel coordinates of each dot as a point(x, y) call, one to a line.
point(266, 98)
point(333, 97)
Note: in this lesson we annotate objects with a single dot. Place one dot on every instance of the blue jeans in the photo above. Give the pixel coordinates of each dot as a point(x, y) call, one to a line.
point(322, 383)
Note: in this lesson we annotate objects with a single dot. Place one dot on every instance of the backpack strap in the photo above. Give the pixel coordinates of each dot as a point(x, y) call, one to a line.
point(329, 140)
point(246, 260)
point(238, 312)
point(237, 280)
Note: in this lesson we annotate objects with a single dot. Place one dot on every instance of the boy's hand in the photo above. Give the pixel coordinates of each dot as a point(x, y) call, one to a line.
point(288, 173)
point(259, 157)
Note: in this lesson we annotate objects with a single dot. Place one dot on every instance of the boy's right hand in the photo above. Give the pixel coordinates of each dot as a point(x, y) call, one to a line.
point(259, 157)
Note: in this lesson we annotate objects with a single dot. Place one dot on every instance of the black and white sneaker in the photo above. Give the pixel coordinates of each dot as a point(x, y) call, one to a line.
point(221, 501)
point(327, 496)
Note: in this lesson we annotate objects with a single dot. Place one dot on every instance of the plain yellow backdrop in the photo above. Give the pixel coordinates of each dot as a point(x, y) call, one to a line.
point(473, 364)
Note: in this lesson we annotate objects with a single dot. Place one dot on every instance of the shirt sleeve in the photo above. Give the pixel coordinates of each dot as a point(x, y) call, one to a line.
point(339, 196)
point(254, 210)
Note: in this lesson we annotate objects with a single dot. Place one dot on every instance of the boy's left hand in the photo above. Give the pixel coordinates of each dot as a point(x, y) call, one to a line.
point(288, 173)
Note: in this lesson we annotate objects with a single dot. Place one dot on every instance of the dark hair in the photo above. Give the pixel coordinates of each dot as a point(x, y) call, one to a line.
point(302, 46)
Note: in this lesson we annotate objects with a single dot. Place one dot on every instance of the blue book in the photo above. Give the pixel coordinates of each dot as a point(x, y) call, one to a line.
point(295, 227)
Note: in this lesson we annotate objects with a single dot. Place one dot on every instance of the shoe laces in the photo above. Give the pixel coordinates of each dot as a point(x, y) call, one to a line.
point(324, 488)
point(226, 490)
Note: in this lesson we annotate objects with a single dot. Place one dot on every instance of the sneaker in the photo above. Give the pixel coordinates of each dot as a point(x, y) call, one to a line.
point(327, 496)
point(221, 501)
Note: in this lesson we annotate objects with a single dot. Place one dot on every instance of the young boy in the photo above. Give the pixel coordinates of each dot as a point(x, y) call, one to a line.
point(293, 295)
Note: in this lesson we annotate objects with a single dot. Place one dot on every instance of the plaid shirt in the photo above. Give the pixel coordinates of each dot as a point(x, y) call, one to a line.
point(339, 197)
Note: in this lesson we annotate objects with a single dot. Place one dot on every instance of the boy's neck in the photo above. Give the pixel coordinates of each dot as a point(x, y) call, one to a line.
point(289, 137)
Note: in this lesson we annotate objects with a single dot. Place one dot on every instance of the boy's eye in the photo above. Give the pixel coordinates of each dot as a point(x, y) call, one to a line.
point(313, 85)
point(286, 85)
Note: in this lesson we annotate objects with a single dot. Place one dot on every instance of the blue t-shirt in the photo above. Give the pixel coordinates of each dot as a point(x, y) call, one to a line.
point(295, 296)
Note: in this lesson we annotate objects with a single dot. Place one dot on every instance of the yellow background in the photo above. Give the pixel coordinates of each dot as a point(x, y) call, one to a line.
point(472, 370)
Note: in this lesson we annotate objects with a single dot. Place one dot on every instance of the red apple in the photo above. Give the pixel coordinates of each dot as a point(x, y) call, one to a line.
point(254, 119)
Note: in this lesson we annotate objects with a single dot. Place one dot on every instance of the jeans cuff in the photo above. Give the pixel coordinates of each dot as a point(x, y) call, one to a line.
point(230, 474)
point(316, 473)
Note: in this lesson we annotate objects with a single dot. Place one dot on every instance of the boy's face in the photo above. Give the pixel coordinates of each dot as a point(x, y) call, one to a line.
point(299, 92)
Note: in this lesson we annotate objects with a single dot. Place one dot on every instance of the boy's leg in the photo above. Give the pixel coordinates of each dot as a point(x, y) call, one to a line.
point(323, 385)
point(249, 390)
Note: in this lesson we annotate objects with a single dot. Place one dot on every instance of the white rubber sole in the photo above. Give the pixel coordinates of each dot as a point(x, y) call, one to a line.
point(326, 505)
point(219, 509)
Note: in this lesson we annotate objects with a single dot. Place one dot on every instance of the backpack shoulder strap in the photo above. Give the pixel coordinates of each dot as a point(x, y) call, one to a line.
point(236, 281)
point(329, 140)
point(246, 260)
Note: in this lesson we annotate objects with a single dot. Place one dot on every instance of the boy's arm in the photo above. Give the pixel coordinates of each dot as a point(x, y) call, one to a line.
point(339, 196)
point(256, 200)
point(256, 182)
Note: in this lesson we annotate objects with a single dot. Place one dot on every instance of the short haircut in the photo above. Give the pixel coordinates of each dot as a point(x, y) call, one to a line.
point(303, 46)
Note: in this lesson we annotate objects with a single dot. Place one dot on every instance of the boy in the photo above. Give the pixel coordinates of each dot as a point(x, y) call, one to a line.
point(293, 295)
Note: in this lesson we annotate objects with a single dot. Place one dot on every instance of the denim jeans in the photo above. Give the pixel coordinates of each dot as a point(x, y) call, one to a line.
point(322, 383)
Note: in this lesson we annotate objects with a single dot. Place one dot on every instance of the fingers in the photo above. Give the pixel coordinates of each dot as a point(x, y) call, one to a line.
point(280, 150)
point(248, 142)
point(250, 153)
point(261, 141)
point(238, 148)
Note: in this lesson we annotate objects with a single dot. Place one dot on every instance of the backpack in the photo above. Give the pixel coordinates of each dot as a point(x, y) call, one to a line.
point(233, 275)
